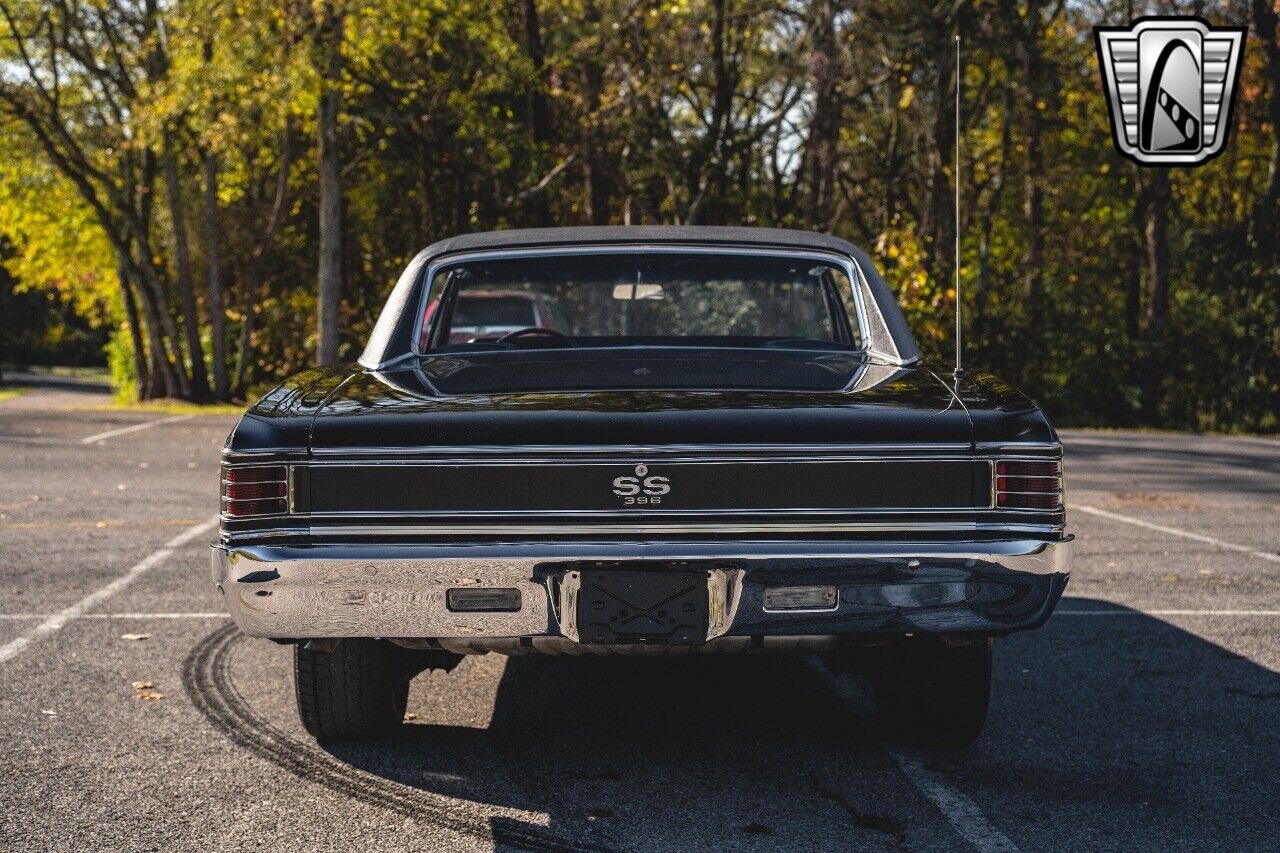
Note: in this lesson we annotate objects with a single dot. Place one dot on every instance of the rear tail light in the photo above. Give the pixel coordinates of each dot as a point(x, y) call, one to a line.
point(1028, 484)
point(255, 490)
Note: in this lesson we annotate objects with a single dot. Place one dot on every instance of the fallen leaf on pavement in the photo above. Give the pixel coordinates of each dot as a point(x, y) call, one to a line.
point(411, 716)
point(148, 695)
point(143, 685)
point(135, 636)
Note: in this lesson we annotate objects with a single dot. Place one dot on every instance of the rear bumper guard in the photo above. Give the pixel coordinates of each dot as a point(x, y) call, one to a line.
point(401, 591)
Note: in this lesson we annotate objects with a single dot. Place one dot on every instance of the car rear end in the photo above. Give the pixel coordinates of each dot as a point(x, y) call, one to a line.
point(549, 549)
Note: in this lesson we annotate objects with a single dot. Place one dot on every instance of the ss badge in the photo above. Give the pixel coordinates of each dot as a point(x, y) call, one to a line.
point(642, 489)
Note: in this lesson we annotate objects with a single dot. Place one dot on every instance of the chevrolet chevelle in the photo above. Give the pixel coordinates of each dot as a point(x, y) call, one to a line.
point(643, 440)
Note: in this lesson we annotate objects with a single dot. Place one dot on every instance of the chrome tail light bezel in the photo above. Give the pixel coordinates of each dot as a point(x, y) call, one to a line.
point(1027, 484)
point(268, 488)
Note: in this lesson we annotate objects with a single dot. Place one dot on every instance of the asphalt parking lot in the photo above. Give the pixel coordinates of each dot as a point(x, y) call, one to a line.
point(1145, 714)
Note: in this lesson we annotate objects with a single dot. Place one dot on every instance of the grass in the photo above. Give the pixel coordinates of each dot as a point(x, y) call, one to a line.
point(10, 391)
point(92, 374)
point(166, 407)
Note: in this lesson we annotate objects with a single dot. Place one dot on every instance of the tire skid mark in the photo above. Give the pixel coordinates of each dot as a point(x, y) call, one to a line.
point(206, 675)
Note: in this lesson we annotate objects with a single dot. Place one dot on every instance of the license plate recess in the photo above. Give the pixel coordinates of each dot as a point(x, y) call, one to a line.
point(651, 607)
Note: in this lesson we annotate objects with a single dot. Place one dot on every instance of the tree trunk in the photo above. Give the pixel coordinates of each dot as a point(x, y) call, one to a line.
point(162, 374)
point(1266, 214)
point(539, 106)
point(824, 129)
point(982, 292)
point(1157, 245)
point(595, 162)
point(1033, 190)
point(329, 299)
point(155, 282)
point(160, 317)
point(213, 264)
point(253, 278)
point(709, 152)
point(1134, 258)
point(182, 261)
point(938, 218)
point(142, 376)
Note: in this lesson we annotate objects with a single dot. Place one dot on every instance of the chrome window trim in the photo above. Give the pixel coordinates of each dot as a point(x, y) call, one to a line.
point(852, 269)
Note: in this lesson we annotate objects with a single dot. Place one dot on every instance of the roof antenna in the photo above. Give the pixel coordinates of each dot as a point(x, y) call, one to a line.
point(959, 371)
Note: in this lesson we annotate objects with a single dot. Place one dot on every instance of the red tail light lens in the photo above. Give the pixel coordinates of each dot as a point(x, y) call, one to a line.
point(1028, 484)
point(255, 490)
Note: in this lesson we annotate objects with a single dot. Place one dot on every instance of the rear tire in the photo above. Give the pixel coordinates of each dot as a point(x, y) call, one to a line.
point(931, 692)
point(358, 690)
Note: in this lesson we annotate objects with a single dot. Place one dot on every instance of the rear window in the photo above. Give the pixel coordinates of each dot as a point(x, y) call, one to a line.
point(661, 298)
point(482, 310)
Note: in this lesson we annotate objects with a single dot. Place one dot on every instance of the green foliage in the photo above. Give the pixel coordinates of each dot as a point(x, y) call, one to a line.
point(826, 115)
point(124, 379)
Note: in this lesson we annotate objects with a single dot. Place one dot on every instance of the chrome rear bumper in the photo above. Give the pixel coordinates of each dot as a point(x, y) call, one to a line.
point(346, 590)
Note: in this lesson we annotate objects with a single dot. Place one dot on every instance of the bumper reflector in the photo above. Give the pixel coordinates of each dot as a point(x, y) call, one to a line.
point(801, 598)
point(473, 600)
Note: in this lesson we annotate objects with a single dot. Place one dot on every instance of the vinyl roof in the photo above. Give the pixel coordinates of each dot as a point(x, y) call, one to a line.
point(625, 234)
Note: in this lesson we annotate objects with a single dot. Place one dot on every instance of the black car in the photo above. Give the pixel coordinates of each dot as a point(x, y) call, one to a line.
point(725, 442)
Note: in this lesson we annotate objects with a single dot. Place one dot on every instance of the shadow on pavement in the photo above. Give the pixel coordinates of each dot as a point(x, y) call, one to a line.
point(1187, 470)
point(1105, 732)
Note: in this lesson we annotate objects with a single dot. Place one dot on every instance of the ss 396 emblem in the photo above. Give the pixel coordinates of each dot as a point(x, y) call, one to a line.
point(641, 490)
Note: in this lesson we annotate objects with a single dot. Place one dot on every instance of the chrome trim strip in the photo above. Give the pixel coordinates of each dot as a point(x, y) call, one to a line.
point(1017, 446)
point(257, 455)
point(253, 535)
point(633, 458)
point(631, 450)
point(223, 516)
point(641, 514)
point(385, 530)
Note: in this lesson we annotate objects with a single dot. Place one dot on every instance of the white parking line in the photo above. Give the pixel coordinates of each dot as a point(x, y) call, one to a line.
point(209, 615)
point(112, 433)
point(55, 622)
point(1174, 531)
point(960, 811)
point(1166, 613)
